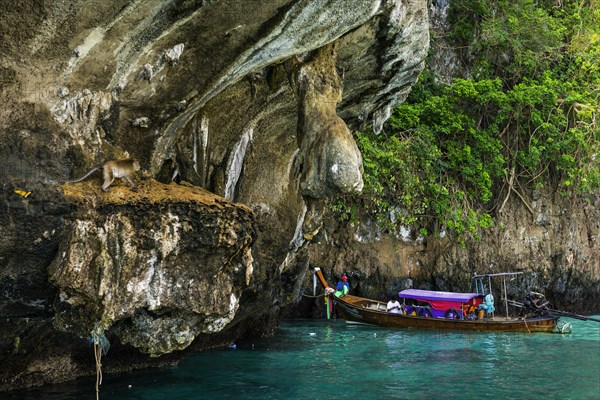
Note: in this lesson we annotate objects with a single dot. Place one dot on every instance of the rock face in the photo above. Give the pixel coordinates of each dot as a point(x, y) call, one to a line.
point(557, 248)
point(251, 101)
point(149, 262)
point(333, 162)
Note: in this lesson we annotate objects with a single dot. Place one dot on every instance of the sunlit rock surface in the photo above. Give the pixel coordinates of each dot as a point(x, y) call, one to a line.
point(162, 264)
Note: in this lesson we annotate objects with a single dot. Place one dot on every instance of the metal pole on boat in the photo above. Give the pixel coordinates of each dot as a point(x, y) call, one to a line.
point(490, 286)
point(505, 295)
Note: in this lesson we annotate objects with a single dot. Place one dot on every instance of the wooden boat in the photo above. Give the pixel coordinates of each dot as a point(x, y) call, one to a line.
point(356, 309)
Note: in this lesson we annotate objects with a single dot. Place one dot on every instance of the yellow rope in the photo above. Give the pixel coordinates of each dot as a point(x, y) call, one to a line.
point(525, 320)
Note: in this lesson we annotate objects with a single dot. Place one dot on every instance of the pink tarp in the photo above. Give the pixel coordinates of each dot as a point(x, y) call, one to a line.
point(442, 301)
point(444, 305)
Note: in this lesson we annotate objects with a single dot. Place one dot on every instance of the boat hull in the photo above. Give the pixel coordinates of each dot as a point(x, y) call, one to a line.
point(367, 311)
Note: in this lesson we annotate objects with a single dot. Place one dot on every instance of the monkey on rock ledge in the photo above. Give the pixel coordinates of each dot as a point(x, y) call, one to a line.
point(122, 169)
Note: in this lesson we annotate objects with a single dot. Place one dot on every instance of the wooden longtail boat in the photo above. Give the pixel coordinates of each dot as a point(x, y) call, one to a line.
point(356, 309)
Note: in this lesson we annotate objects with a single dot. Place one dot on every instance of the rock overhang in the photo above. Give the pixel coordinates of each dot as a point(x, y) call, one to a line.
point(179, 85)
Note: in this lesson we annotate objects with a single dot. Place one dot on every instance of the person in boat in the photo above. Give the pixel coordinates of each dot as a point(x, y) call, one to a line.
point(342, 287)
point(469, 312)
point(393, 306)
point(488, 304)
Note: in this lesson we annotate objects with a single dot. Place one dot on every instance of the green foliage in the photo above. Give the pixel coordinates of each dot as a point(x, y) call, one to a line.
point(526, 117)
point(440, 158)
point(512, 38)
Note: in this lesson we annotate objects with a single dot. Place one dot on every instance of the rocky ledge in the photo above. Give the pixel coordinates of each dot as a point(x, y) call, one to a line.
point(153, 269)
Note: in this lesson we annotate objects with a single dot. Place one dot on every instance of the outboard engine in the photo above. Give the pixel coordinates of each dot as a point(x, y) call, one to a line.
point(536, 302)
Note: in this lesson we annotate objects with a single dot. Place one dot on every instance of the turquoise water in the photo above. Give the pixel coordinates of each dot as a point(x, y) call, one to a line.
point(316, 359)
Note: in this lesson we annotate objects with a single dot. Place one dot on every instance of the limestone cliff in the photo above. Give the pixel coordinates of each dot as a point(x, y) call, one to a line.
point(252, 101)
point(553, 238)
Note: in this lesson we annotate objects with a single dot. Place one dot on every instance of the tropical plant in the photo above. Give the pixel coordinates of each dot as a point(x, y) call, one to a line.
point(524, 117)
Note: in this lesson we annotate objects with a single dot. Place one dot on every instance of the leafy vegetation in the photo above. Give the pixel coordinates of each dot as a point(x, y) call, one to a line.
point(524, 116)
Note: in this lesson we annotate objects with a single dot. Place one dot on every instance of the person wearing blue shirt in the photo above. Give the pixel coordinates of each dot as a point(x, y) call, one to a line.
point(342, 287)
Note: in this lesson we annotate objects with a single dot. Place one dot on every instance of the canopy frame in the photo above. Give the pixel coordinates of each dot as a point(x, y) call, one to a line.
point(478, 278)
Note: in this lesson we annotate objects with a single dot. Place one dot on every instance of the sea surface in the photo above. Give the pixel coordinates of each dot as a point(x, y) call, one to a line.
point(319, 359)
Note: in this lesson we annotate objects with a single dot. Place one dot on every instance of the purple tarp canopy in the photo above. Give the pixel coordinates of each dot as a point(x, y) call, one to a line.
point(430, 295)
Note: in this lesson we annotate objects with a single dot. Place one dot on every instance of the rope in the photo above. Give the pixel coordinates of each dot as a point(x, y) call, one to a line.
point(101, 346)
point(98, 356)
point(313, 297)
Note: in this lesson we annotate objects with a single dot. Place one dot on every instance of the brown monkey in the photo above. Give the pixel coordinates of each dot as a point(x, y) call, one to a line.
point(122, 169)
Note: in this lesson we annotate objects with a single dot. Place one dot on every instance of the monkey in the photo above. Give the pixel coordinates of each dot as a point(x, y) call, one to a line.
point(122, 169)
